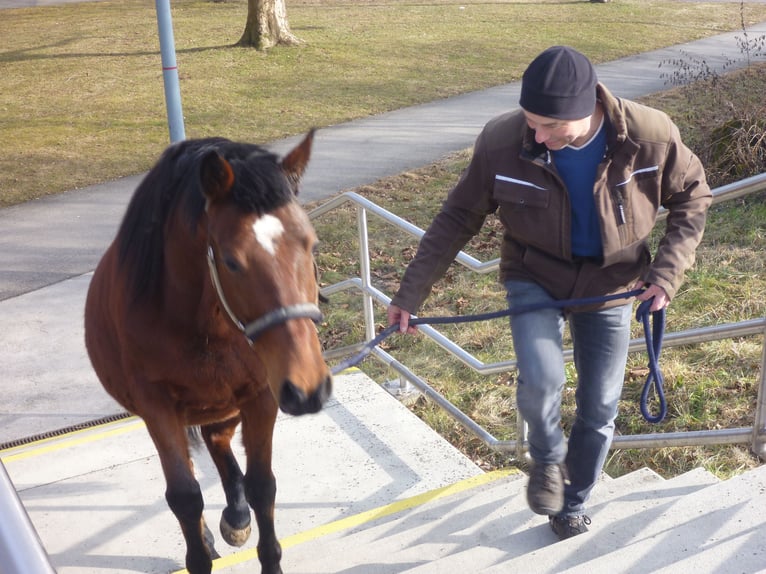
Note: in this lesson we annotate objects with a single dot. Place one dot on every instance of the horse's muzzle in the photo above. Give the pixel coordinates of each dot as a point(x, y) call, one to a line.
point(295, 401)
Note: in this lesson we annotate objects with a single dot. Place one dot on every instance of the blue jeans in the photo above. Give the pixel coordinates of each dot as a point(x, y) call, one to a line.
point(600, 342)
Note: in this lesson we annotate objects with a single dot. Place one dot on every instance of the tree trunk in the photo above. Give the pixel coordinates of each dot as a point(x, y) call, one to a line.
point(267, 25)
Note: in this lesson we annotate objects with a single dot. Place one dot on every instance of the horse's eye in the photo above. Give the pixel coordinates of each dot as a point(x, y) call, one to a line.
point(232, 264)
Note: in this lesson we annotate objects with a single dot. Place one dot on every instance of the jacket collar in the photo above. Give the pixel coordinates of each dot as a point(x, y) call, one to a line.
point(617, 129)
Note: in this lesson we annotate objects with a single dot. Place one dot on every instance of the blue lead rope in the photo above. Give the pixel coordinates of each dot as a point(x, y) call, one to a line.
point(653, 340)
point(653, 349)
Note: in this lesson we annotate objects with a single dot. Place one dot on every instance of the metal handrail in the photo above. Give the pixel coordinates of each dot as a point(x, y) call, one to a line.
point(21, 551)
point(755, 435)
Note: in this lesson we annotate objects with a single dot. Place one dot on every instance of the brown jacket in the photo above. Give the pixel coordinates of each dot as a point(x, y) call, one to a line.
point(646, 166)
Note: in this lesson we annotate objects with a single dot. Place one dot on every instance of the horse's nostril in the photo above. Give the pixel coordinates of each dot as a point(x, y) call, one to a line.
point(292, 400)
point(295, 401)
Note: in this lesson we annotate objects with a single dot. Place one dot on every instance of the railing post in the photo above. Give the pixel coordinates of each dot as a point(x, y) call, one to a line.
point(364, 270)
point(21, 551)
point(759, 425)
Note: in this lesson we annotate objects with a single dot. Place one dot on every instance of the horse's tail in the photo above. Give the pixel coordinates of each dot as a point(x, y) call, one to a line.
point(194, 434)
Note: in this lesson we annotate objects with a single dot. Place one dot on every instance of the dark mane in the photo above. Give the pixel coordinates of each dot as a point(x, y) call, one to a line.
point(174, 183)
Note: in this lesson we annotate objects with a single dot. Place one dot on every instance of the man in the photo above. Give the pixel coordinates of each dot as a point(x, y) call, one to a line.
point(577, 177)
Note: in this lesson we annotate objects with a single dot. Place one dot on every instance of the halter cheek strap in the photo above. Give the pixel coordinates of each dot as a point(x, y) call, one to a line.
point(256, 328)
point(278, 316)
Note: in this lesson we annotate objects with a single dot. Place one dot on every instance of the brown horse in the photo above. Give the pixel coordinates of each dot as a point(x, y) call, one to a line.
point(202, 312)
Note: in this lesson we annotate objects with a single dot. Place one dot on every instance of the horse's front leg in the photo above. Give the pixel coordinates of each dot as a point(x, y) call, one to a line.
point(258, 418)
point(235, 519)
point(183, 493)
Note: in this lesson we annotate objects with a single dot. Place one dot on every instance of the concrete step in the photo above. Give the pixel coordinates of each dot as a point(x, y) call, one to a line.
point(527, 538)
point(718, 529)
point(470, 529)
point(618, 509)
point(430, 526)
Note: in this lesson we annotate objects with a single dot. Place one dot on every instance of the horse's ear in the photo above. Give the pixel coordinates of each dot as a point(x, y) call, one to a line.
point(294, 163)
point(216, 175)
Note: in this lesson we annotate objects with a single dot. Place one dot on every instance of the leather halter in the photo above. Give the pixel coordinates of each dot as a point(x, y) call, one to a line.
point(256, 328)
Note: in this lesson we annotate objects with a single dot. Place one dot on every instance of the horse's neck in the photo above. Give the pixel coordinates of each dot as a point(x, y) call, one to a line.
point(188, 295)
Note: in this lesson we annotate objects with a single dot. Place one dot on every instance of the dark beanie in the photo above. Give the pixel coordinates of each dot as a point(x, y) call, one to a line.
point(560, 83)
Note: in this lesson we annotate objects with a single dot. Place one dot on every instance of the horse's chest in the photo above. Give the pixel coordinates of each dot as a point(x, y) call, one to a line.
point(202, 373)
point(227, 368)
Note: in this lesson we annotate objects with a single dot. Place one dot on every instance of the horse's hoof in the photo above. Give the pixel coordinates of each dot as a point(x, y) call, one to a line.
point(234, 536)
point(209, 541)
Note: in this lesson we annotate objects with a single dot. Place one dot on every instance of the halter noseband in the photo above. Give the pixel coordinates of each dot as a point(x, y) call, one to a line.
point(255, 329)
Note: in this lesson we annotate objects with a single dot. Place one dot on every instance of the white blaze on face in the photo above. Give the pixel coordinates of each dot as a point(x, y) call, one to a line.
point(268, 230)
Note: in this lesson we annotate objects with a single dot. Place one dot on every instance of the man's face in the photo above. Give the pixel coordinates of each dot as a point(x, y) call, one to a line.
point(555, 133)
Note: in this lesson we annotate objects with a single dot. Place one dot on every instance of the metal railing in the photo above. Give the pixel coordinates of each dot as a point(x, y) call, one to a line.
point(755, 435)
point(21, 551)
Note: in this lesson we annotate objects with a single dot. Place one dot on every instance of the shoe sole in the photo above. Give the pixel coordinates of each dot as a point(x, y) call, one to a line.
point(545, 510)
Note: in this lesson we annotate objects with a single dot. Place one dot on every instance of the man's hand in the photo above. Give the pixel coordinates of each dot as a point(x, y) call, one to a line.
point(398, 316)
point(661, 299)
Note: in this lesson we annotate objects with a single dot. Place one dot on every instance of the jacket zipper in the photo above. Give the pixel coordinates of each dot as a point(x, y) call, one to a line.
point(620, 199)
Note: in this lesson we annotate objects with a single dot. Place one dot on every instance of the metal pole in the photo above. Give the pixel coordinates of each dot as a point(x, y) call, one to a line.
point(21, 551)
point(364, 271)
point(759, 442)
point(170, 71)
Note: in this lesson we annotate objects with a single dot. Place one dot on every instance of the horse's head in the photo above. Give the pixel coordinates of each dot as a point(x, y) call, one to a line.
point(261, 255)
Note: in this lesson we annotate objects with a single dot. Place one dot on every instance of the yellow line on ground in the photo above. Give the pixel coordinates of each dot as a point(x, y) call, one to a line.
point(74, 438)
point(349, 371)
point(364, 517)
point(83, 436)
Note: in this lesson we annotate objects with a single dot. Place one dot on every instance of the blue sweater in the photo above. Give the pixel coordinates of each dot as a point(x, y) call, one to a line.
point(577, 167)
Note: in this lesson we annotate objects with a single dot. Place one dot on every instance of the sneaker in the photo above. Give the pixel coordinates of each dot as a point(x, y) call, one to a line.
point(545, 491)
point(568, 526)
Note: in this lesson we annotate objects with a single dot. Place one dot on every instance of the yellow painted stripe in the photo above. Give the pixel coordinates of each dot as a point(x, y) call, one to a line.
point(350, 371)
point(74, 438)
point(83, 436)
point(363, 517)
